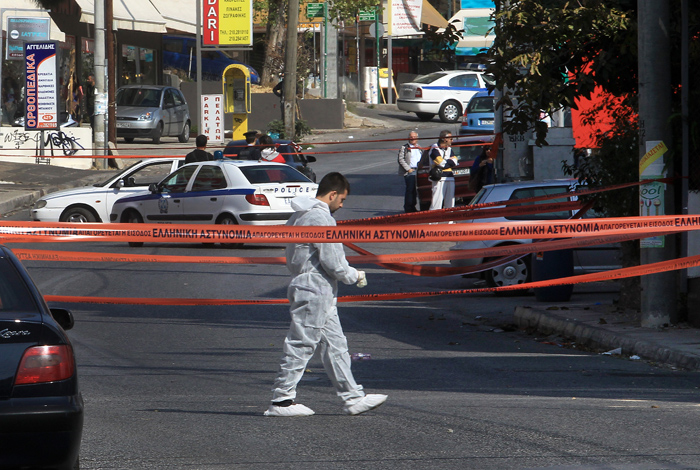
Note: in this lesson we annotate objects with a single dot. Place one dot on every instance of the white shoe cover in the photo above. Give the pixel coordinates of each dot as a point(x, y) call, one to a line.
point(296, 409)
point(368, 402)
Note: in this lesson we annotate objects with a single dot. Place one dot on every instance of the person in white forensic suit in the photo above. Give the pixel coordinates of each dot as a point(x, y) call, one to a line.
point(316, 269)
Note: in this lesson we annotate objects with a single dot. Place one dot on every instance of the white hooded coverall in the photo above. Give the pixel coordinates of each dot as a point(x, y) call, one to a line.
point(316, 269)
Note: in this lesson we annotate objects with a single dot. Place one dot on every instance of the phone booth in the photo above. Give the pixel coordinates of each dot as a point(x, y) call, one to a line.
point(236, 83)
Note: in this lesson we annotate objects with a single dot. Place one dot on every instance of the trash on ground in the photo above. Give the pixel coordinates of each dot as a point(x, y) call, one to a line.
point(613, 352)
point(360, 356)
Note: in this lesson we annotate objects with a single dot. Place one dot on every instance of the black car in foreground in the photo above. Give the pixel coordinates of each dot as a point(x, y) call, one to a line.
point(289, 150)
point(41, 408)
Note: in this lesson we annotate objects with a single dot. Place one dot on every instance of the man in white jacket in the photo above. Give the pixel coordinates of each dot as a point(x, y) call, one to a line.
point(316, 269)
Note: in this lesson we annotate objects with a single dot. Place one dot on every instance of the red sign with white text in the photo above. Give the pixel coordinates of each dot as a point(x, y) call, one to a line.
point(211, 22)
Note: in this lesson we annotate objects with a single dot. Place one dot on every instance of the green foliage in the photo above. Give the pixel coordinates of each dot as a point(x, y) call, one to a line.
point(348, 9)
point(301, 129)
point(545, 51)
point(442, 42)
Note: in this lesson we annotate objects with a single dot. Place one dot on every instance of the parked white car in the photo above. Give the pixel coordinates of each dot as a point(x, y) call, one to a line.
point(94, 203)
point(445, 93)
point(218, 192)
point(586, 259)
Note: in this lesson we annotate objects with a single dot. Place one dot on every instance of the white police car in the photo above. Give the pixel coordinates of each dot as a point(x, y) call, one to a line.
point(445, 93)
point(218, 192)
point(94, 203)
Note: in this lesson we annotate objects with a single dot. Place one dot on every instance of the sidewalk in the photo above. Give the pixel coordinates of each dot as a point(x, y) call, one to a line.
point(597, 327)
point(603, 328)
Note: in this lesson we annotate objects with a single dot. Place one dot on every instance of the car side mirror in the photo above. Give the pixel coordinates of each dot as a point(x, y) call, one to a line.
point(120, 184)
point(63, 317)
point(310, 158)
point(153, 188)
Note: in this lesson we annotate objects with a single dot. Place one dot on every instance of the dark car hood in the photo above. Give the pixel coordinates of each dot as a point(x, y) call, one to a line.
point(17, 333)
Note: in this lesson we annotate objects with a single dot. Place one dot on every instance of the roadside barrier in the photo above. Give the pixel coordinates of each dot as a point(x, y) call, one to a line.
point(568, 233)
point(400, 228)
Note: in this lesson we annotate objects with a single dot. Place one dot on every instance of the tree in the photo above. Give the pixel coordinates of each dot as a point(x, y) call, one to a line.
point(547, 53)
point(276, 21)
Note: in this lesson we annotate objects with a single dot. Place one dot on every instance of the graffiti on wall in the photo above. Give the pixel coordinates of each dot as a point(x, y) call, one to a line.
point(60, 141)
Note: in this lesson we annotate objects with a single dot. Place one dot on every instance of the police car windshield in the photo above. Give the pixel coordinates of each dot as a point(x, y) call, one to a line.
point(430, 78)
point(261, 174)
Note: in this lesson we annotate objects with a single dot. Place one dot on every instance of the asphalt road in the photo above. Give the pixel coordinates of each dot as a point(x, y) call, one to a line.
point(185, 387)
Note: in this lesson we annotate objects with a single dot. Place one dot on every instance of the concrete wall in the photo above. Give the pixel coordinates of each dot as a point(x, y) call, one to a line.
point(547, 159)
point(318, 113)
point(21, 146)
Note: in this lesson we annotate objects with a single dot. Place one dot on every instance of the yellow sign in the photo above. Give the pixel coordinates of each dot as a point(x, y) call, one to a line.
point(228, 22)
point(651, 156)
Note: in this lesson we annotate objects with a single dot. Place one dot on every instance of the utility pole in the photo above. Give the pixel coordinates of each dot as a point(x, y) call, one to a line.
point(111, 74)
point(659, 299)
point(290, 70)
point(100, 75)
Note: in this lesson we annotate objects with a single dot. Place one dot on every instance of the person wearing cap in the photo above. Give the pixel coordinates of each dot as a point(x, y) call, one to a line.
point(199, 154)
point(252, 151)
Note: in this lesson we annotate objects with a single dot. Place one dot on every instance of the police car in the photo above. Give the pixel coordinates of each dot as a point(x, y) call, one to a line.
point(444, 93)
point(229, 192)
point(94, 203)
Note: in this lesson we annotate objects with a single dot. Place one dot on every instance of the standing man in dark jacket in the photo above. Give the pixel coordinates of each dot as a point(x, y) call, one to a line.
point(199, 154)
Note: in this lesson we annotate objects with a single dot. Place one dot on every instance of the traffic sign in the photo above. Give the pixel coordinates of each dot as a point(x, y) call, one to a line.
point(314, 10)
point(368, 15)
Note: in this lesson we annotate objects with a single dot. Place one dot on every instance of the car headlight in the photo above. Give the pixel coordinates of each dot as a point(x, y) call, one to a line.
point(146, 117)
point(40, 203)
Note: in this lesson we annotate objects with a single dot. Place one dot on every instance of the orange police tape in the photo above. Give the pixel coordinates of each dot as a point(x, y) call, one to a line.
point(663, 266)
point(395, 262)
point(450, 213)
point(191, 233)
point(212, 148)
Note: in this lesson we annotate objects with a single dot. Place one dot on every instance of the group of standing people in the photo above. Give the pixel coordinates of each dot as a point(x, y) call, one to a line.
point(439, 154)
point(259, 147)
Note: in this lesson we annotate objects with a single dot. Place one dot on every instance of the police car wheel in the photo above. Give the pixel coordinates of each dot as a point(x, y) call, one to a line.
point(134, 218)
point(227, 219)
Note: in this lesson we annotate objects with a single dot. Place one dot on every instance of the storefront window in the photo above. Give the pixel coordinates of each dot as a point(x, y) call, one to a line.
point(137, 66)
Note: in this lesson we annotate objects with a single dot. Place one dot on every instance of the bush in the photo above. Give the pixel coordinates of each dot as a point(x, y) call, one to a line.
point(301, 128)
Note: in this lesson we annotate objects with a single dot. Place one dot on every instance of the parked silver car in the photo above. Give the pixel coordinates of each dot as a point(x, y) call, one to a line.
point(586, 259)
point(152, 111)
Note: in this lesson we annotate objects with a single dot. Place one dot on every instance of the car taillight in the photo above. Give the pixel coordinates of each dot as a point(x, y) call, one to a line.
point(257, 199)
point(45, 364)
point(419, 92)
point(465, 118)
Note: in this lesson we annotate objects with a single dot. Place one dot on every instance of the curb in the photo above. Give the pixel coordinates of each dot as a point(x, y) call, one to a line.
point(601, 338)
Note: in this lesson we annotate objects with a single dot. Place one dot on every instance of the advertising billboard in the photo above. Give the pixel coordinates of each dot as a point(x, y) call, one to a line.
point(41, 85)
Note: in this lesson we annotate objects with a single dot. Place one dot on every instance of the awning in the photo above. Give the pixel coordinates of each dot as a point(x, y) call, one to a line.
point(179, 15)
point(28, 8)
point(431, 16)
point(476, 23)
point(130, 15)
